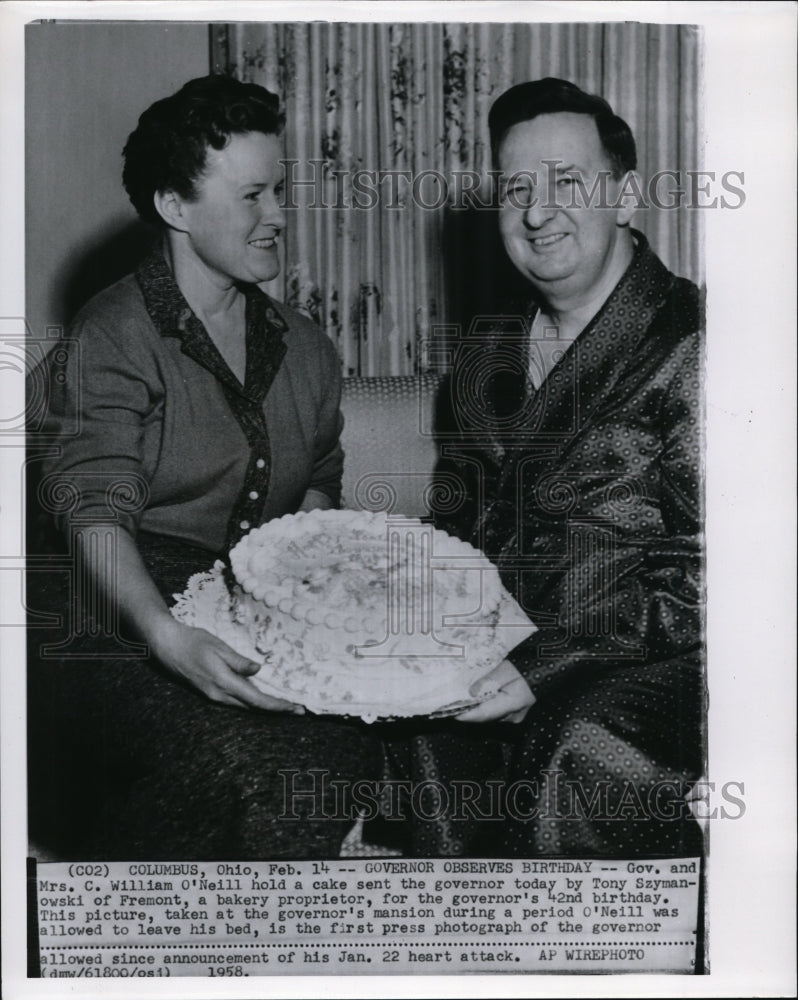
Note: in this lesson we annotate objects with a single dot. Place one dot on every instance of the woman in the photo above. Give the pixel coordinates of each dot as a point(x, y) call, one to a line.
point(205, 408)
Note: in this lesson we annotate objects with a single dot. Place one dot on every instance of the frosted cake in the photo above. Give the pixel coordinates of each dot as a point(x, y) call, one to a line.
point(360, 613)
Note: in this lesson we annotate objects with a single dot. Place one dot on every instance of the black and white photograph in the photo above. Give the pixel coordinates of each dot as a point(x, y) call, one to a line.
point(385, 472)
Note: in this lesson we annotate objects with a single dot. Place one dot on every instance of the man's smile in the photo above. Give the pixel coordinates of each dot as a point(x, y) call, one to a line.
point(546, 241)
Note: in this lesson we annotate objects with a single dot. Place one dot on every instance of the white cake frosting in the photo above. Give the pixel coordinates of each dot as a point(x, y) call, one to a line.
point(360, 613)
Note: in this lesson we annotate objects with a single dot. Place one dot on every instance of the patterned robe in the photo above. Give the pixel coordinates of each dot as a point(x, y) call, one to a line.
point(588, 495)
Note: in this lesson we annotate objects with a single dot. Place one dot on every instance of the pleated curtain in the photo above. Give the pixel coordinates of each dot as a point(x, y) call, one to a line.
point(393, 283)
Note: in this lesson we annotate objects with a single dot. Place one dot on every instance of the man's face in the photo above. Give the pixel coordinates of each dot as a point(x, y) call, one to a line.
point(561, 240)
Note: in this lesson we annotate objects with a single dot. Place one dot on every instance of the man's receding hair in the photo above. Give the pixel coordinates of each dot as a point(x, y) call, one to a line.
point(168, 149)
point(549, 96)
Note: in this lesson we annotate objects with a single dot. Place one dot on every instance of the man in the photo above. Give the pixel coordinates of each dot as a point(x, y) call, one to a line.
point(578, 465)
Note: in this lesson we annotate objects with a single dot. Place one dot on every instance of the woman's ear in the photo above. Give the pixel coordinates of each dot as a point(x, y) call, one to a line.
point(169, 206)
point(630, 197)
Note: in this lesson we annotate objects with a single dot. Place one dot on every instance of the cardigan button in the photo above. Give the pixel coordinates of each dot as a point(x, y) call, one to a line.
point(253, 495)
point(260, 463)
point(244, 525)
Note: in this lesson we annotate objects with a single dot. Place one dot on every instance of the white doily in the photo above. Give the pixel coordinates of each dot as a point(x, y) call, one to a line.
point(429, 685)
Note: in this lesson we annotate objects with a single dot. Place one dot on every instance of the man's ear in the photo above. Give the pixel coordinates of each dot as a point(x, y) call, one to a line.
point(630, 197)
point(169, 206)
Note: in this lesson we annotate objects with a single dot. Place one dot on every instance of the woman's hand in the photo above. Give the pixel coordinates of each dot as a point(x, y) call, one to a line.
point(213, 667)
point(207, 663)
point(510, 703)
point(315, 500)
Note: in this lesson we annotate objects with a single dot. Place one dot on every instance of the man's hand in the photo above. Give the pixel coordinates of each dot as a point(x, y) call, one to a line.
point(214, 668)
point(510, 703)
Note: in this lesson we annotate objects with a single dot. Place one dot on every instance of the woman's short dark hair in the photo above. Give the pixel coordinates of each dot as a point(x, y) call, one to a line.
point(551, 96)
point(168, 149)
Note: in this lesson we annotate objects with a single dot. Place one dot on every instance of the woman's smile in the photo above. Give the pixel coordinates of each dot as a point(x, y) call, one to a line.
point(264, 242)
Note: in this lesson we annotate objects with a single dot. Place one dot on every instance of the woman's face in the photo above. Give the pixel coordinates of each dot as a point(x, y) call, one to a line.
point(233, 225)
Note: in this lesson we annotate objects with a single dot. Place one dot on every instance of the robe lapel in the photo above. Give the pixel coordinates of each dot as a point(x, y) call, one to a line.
point(562, 409)
point(552, 418)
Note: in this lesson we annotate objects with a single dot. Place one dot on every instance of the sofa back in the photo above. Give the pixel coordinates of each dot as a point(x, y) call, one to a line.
point(389, 443)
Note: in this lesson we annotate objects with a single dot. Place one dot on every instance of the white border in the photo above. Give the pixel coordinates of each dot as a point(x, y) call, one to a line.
point(751, 267)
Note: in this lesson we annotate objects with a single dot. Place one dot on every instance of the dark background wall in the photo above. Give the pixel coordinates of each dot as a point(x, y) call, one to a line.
point(86, 84)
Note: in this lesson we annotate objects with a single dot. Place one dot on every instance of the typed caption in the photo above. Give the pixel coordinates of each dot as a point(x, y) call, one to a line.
point(229, 919)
